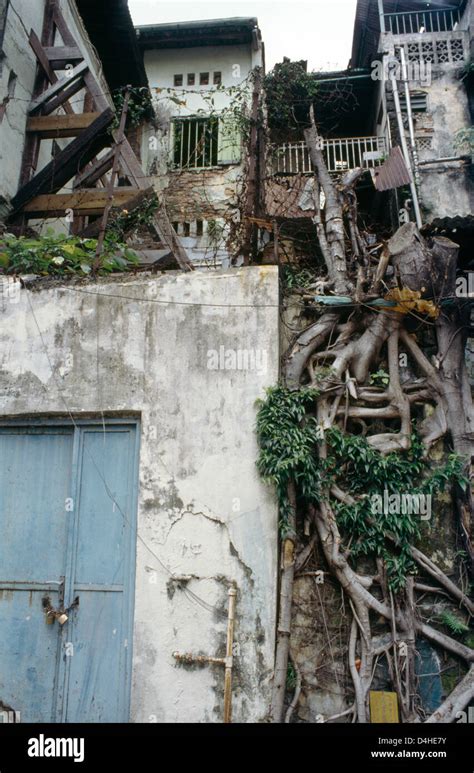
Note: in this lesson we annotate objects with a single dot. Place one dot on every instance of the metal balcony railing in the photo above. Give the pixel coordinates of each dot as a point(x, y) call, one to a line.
point(341, 155)
point(412, 22)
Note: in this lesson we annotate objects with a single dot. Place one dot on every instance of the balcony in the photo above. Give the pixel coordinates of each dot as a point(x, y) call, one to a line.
point(341, 155)
point(413, 22)
point(429, 37)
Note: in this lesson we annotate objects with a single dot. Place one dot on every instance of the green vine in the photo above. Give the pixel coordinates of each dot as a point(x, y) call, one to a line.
point(289, 435)
point(140, 106)
point(289, 91)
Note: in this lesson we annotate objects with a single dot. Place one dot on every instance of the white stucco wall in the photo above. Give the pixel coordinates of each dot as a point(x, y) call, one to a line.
point(198, 195)
point(202, 508)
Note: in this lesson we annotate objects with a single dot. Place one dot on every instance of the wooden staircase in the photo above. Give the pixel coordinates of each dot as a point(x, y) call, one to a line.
point(96, 153)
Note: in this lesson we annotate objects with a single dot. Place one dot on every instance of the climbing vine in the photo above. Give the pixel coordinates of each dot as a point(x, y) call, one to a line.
point(374, 380)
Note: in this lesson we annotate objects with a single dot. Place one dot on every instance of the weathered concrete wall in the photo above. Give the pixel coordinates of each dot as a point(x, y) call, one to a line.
point(202, 508)
point(446, 190)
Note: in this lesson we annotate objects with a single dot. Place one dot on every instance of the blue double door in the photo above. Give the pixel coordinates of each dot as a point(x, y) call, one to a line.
point(67, 547)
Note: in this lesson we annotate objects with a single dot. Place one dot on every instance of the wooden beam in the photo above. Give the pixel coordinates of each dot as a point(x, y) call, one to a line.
point(66, 35)
point(83, 202)
point(32, 142)
point(40, 54)
point(54, 126)
point(95, 171)
point(100, 100)
point(65, 165)
point(132, 166)
point(59, 56)
point(148, 194)
point(61, 85)
point(63, 97)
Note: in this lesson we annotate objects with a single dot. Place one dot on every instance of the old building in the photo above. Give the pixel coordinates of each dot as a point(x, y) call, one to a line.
point(202, 76)
point(132, 516)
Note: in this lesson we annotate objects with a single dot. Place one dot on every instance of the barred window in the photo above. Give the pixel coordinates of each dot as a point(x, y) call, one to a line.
point(195, 143)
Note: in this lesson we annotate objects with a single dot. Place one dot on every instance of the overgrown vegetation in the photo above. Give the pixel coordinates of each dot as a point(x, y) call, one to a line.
point(61, 255)
point(289, 92)
point(140, 106)
point(371, 395)
point(289, 436)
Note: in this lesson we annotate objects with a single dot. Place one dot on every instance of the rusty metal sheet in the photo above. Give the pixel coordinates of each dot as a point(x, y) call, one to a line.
point(393, 173)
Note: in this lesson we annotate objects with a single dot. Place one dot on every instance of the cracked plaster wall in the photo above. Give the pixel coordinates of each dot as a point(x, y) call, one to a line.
point(203, 510)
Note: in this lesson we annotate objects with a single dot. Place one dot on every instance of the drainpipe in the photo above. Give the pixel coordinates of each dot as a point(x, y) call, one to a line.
point(228, 655)
point(411, 128)
point(406, 155)
point(382, 17)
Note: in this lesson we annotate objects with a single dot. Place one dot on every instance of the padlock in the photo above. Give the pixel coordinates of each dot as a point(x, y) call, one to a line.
point(62, 618)
point(49, 618)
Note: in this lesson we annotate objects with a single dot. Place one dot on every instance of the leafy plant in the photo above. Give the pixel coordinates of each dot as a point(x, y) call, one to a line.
point(61, 255)
point(290, 677)
point(140, 105)
point(292, 279)
point(355, 465)
point(453, 623)
point(288, 439)
point(288, 436)
point(380, 378)
point(289, 91)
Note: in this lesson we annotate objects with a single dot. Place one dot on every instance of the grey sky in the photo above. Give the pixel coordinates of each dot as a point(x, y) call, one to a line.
point(319, 31)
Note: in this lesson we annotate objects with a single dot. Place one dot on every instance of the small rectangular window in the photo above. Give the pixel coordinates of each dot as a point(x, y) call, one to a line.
point(191, 79)
point(217, 78)
point(418, 101)
point(204, 79)
point(186, 229)
point(177, 80)
point(198, 227)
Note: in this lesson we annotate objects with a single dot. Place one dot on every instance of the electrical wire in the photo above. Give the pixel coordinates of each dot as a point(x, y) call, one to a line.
point(190, 594)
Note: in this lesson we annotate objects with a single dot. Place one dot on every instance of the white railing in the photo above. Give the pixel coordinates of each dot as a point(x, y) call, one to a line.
point(412, 22)
point(341, 155)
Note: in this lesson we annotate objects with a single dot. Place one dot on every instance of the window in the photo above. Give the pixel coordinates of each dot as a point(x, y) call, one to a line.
point(217, 80)
point(177, 80)
point(199, 229)
point(418, 101)
point(195, 143)
point(191, 78)
point(204, 79)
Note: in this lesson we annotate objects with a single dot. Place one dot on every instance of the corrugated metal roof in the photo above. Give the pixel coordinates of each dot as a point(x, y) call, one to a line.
point(451, 223)
point(393, 173)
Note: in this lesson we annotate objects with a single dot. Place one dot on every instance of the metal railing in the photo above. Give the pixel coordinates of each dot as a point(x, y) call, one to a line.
point(412, 22)
point(341, 155)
